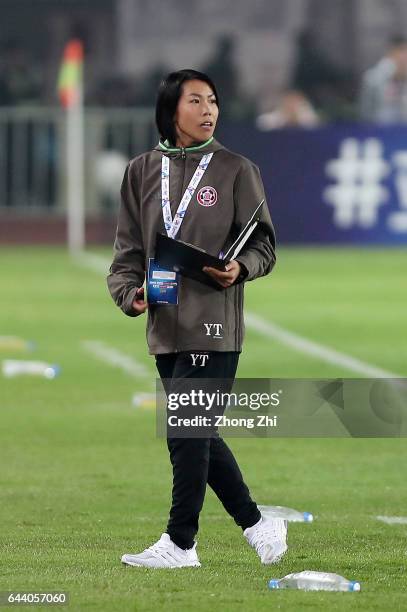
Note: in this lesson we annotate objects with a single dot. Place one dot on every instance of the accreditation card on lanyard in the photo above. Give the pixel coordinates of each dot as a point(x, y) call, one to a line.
point(162, 285)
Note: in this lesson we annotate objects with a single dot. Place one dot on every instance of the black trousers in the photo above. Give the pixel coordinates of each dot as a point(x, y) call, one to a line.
point(197, 462)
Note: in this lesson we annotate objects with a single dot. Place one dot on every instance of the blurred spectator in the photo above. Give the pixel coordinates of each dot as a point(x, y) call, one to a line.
point(125, 90)
point(294, 110)
point(383, 95)
point(148, 84)
point(114, 90)
point(19, 81)
point(329, 88)
point(222, 68)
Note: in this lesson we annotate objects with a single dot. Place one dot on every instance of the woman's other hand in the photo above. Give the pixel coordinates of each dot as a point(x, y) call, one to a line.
point(139, 304)
point(227, 278)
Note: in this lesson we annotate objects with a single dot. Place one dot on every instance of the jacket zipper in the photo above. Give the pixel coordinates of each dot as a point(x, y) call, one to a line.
point(183, 157)
point(237, 318)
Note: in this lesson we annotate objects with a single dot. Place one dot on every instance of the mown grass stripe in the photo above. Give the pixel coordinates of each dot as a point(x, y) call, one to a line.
point(116, 358)
point(272, 330)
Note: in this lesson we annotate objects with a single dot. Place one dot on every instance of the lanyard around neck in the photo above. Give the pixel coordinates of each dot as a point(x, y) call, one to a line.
point(172, 226)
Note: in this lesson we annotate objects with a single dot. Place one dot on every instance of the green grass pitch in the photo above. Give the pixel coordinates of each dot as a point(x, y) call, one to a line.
point(84, 479)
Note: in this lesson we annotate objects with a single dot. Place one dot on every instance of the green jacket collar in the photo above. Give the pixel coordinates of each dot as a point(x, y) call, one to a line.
point(209, 146)
point(165, 146)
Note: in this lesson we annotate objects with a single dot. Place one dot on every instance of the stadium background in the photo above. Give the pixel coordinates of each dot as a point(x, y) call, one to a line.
point(83, 476)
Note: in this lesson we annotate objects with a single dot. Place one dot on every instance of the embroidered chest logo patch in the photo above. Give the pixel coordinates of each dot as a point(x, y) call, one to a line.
point(207, 196)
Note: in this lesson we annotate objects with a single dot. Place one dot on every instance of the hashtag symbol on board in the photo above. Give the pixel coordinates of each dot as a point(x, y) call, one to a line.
point(358, 173)
point(397, 221)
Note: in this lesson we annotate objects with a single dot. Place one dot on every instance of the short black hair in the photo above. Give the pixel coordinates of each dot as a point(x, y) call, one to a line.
point(397, 40)
point(169, 93)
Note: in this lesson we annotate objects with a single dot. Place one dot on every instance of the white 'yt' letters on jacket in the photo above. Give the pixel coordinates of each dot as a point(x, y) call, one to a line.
point(214, 329)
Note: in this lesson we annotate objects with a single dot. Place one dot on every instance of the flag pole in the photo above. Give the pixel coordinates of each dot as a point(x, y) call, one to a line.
point(75, 174)
point(70, 86)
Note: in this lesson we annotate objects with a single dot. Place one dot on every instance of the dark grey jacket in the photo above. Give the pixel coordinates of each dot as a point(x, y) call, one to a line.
point(205, 319)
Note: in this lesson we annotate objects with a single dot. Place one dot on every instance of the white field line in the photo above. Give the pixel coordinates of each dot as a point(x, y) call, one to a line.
point(275, 332)
point(319, 351)
point(116, 358)
point(94, 262)
point(393, 520)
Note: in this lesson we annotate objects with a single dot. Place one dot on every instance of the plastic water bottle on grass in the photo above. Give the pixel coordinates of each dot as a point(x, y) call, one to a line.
point(315, 581)
point(15, 367)
point(289, 514)
point(144, 400)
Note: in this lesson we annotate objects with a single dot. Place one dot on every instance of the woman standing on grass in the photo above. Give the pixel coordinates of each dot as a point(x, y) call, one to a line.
point(194, 189)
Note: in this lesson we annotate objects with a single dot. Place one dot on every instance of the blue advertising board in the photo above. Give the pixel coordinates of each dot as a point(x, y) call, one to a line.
point(342, 184)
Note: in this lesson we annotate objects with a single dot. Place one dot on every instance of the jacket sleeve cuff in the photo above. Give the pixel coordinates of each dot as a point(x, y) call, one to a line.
point(127, 306)
point(246, 272)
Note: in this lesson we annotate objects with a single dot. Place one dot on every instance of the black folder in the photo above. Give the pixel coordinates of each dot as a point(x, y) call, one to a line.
point(189, 260)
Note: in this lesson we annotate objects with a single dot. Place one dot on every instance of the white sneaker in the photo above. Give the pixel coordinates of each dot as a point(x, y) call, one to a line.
point(164, 553)
point(269, 538)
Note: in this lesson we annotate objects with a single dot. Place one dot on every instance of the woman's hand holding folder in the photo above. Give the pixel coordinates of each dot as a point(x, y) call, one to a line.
point(227, 278)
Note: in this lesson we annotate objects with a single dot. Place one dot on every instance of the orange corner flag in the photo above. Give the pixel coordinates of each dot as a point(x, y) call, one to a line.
point(70, 74)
